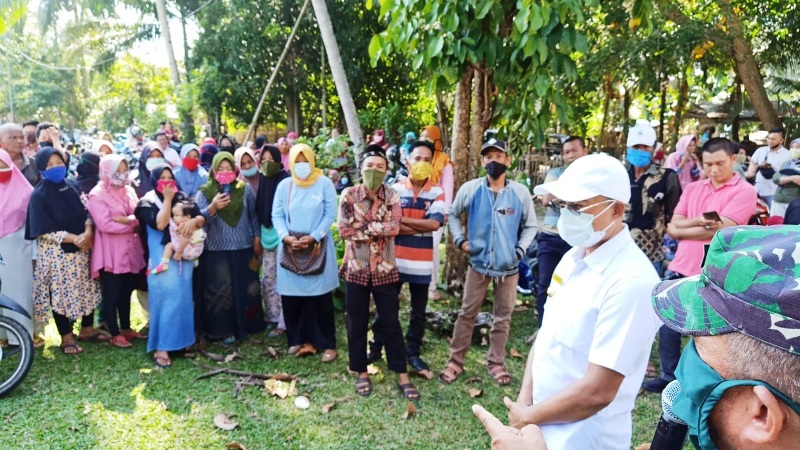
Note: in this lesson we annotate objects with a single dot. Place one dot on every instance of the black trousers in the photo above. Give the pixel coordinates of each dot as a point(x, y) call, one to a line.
point(117, 290)
point(310, 320)
point(549, 252)
point(64, 324)
point(416, 323)
point(388, 305)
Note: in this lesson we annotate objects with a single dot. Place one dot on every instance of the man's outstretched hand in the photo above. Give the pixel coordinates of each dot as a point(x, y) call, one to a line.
point(509, 438)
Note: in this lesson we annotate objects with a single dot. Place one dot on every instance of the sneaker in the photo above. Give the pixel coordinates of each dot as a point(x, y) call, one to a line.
point(161, 267)
point(524, 291)
point(656, 385)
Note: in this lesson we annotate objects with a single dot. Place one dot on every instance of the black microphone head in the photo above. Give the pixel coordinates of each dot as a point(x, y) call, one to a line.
point(667, 397)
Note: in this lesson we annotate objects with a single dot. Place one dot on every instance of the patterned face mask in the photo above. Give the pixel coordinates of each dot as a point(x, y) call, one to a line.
point(119, 179)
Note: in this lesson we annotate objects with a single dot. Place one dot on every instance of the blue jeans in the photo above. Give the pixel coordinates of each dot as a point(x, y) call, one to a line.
point(551, 249)
point(524, 272)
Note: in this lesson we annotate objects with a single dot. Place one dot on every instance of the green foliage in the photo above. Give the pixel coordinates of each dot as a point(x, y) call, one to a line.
point(529, 49)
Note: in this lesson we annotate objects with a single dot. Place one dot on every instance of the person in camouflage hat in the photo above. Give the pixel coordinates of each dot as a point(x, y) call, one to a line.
point(740, 375)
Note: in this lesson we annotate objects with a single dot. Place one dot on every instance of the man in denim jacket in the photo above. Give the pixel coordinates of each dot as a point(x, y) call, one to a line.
point(501, 223)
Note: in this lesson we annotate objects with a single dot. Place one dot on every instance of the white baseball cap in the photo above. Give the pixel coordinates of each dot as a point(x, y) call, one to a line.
point(641, 134)
point(590, 176)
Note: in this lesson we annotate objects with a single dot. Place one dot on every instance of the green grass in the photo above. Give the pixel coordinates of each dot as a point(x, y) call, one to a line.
point(112, 398)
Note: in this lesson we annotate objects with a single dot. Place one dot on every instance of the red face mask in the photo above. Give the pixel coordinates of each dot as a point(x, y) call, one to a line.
point(161, 184)
point(191, 163)
point(5, 175)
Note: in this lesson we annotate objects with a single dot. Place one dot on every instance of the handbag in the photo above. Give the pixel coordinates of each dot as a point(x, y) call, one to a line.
point(308, 261)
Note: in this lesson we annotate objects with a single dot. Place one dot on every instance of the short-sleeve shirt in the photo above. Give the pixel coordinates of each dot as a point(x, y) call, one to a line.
point(735, 200)
point(414, 252)
point(765, 187)
point(599, 313)
point(550, 222)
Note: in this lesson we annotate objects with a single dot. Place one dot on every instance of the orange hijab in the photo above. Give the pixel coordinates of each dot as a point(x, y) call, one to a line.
point(440, 158)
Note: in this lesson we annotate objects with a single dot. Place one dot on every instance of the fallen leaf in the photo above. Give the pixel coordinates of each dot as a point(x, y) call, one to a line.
point(515, 353)
point(272, 353)
point(224, 422)
point(231, 357)
point(372, 369)
point(236, 446)
point(327, 407)
point(518, 302)
point(213, 356)
point(279, 388)
point(475, 380)
point(474, 393)
point(410, 411)
point(484, 341)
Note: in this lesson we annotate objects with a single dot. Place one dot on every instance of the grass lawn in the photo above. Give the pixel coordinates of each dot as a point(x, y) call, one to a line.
point(112, 398)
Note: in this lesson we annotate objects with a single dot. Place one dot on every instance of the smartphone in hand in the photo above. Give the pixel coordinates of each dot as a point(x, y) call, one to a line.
point(713, 216)
point(226, 189)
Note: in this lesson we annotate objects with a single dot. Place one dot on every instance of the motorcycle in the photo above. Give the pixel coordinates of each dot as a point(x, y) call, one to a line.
point(16, 357)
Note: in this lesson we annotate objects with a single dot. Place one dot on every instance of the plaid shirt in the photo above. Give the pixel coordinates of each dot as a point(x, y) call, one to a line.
point(368, 227)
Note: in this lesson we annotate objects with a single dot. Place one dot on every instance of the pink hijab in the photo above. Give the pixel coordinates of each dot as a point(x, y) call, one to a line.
point(14, 198)
point(683, 144)
point(121, 201)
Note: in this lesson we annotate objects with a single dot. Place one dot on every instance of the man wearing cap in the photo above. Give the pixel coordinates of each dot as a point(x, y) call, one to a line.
point(584, 371)
point(739, 374)
point(722, 194)
point(765, 161)
point(501, 223)
point(654, 193)
point(550, 247)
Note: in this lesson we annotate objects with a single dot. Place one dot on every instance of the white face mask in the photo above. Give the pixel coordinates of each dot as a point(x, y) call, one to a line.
point(576, 227)
point(302, 170)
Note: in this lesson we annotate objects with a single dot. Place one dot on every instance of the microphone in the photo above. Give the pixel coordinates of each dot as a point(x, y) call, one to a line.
point(671, 430)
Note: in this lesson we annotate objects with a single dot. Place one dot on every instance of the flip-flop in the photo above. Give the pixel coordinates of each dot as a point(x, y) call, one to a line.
point(275, 332)
point(409, 391)
point(159, 360)
point(64, 347)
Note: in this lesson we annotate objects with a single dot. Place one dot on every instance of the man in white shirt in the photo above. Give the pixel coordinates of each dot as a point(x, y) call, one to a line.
point(585, 369)
point(766, 161)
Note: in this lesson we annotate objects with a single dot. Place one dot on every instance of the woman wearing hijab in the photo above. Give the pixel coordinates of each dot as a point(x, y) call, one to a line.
point(272, 173)
point(227, 144)
point(170, 292)
point(248, 168)
point(151, 157)
point(230, 305)
point(103, 147)
point(207, 153)
point(88, 169)
point(190, 176)
point(406, 147)
point(306, 206)
point(442, 176)
point(684, 160)
point(15, 252)
point(379, 138)
point(117, 254)
point(60, 224)
point(284, 146)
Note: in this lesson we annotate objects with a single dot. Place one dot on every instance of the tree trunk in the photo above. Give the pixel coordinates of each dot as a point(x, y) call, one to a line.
point(747, 69)
point(161, 10)
point(442, 119)
point(294, 117)
point(683, 98)
point(476, 128)
point(662, 114)
point(339, 76)
point(456, 261)
point(606, 105)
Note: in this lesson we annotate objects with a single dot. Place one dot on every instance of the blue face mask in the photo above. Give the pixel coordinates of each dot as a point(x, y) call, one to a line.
point(55, 174)
point(639, 158)
point(701, 388)
point(251, 172)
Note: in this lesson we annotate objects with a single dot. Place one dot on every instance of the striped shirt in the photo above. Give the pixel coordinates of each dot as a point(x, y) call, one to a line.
point(414, 252)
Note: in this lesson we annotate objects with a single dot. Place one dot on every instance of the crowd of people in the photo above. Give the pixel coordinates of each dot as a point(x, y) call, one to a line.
point(220, 243)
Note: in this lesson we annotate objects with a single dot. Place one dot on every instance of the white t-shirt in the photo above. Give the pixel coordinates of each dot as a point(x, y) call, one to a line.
point(777, 158)
point(599, 312)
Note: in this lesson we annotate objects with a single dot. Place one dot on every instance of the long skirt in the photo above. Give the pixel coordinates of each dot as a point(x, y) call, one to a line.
point(230, 304)
point(16, 275)
point(269, 279)
point(170, 298)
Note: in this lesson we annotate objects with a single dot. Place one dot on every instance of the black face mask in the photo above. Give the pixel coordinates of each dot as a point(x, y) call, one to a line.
point(495, 169)
point(46, 144)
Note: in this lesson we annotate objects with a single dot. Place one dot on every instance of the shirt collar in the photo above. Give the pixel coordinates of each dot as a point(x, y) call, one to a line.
point(734, 179)
point(602, 256)
point(410, 185)
point(362, 193)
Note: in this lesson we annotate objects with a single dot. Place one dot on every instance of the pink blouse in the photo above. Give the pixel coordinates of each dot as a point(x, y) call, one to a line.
point(117, 248)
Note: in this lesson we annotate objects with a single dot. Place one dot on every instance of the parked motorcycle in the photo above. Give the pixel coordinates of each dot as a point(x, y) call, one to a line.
point(16, 357)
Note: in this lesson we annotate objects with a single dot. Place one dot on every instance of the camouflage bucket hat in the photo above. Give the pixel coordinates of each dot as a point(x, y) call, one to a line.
point(750, 283)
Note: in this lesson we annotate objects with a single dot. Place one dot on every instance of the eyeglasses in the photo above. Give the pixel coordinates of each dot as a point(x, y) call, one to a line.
point(574, 207)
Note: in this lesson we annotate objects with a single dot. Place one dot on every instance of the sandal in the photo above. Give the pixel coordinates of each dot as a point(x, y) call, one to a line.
point(95, 337)
point(363, 386)
point(293, 349)
point(500, 375)
point(276, 332)
point(329, 355)
point(409, 391)
point(162, 362)
point(38, 342)
point(418, 364)
point(132, 334)
point(450, 373)
point(71, 349)
point(119, 342)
